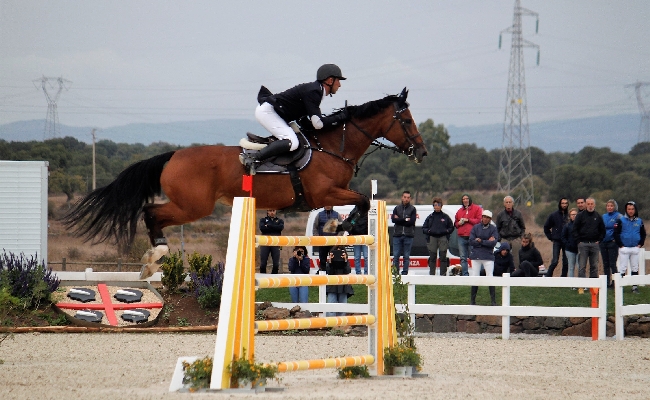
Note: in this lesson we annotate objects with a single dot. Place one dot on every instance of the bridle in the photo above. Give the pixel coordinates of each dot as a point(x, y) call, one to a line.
point(397, 118)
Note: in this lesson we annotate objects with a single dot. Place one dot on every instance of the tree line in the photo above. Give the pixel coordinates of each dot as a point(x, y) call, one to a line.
point(592, 171)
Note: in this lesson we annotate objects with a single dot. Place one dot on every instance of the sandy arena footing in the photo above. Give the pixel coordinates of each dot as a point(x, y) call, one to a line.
point(140, 366)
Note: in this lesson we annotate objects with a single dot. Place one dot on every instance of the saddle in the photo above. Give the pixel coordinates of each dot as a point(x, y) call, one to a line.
point(298, 158)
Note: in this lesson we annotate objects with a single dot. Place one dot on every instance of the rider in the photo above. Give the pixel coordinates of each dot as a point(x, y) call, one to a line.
point(275, 111)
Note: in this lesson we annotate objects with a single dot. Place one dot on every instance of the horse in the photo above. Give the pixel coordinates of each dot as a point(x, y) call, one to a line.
point(195, 178)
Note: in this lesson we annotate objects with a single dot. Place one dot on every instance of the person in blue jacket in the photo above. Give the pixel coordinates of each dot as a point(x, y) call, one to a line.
point(608, 247)
point(629, 234)
point(482, 239)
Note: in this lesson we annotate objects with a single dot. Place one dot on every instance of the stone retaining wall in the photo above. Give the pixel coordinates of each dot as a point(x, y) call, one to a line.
point(574, 326)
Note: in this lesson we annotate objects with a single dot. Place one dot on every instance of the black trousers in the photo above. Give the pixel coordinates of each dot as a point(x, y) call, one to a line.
point(264, 258)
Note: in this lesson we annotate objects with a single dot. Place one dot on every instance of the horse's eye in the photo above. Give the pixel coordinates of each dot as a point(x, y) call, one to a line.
point(407, 121)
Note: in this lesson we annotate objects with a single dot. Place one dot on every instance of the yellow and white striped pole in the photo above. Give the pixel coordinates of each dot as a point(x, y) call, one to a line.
point(380, 300)
point(338, 362)
point(237, 311)
point(313, 280)
point(313, 323)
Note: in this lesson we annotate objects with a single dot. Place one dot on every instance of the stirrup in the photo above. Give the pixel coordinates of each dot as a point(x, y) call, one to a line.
point(248, 162)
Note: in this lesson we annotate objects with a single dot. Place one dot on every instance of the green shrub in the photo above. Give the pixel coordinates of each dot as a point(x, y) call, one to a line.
point(174, 273)
point(209, 297)
point(199, 263)
point(27, 279)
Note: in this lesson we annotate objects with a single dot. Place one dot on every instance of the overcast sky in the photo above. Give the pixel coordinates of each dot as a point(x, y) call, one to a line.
point(161, 61)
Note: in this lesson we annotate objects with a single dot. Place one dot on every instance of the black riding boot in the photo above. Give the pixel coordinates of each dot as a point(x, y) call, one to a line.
point(472, 299)
point(443, 267)
point(493, 295)
point(274, 149)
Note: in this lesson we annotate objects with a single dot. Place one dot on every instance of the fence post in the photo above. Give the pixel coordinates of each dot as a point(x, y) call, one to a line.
point(505, 302)
point(119, 264)
point(63, 264)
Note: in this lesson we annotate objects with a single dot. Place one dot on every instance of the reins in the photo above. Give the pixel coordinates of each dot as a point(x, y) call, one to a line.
point(397, 117)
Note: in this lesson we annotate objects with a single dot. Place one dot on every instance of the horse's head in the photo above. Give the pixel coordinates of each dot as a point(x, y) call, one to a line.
point(403, 131)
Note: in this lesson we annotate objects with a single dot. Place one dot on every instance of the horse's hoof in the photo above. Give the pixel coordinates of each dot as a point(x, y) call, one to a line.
point(152, 260)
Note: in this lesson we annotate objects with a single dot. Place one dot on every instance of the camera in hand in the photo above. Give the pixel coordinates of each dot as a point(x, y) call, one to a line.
point(338, 255)
point(300, 253)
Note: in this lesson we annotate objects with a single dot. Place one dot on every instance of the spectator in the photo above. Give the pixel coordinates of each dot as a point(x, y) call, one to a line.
point(482, 238)
point(511, 226)
point(403, 218)
point(437, 228)
point(589, 230)
point(271, 226)
point(338, 265)
point(608, 247)
point(530, 258)
point(630, 234)
point(581, 204)
point(299, 264)
point(570, 244)
point(553, 231)
point(323, 217)
point(466, 217)
point(357, 224)
point(503, 261)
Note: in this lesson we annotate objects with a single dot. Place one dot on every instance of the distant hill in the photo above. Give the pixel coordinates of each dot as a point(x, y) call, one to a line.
point(618, 132)
point(226, 131)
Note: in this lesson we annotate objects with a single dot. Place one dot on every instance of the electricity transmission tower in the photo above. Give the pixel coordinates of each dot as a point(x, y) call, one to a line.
point(515, 167)
point(52, 95)
point(644, 128)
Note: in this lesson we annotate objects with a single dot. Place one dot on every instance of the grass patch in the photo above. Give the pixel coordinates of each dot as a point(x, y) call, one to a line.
point(519, 296)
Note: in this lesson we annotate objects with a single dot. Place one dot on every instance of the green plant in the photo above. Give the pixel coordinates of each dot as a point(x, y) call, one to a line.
point(182, 321)
point(59, 320)
point(27, 279)
point(173, 272)
point(401, 355)
point(244, 370)
point(355, 372)
point(197, 374)
point(199, 263)
point(209, 296)
point(167, 310)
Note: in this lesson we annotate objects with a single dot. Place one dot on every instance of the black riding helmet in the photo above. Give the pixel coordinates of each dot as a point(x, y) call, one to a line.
point(327, 70)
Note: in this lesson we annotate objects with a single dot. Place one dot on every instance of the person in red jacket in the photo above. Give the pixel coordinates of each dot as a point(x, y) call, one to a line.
point(466, 217)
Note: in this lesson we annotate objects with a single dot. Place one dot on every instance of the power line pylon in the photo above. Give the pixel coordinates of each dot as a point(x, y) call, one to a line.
point(515, 167)
point(644, 128)
point(52, 119)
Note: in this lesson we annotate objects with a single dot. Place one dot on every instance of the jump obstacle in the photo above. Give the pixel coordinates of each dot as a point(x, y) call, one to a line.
point(237, 325)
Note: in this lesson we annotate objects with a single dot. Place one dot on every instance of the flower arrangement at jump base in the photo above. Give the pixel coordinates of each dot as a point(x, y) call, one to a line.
point(197, 374)
point(355, 372)
point(401, 355)
point(249, 374)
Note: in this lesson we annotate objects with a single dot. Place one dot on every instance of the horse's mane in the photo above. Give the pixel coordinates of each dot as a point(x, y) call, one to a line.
point(372, 108)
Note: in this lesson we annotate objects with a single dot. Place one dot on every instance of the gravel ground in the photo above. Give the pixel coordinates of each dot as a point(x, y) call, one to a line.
point(140, 366)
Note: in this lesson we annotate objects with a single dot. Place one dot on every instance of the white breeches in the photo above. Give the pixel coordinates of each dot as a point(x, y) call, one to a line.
point(487, 264)
point(269, 119)
point(628, 256)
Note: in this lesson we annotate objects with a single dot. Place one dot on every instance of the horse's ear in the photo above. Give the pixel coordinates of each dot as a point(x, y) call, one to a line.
point(404, 93)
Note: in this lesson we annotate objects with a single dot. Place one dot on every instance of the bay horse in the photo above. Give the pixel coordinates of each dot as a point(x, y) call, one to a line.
point(195, 178)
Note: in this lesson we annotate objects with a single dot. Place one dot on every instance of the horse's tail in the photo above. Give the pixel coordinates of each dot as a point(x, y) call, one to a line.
point(112, 212)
